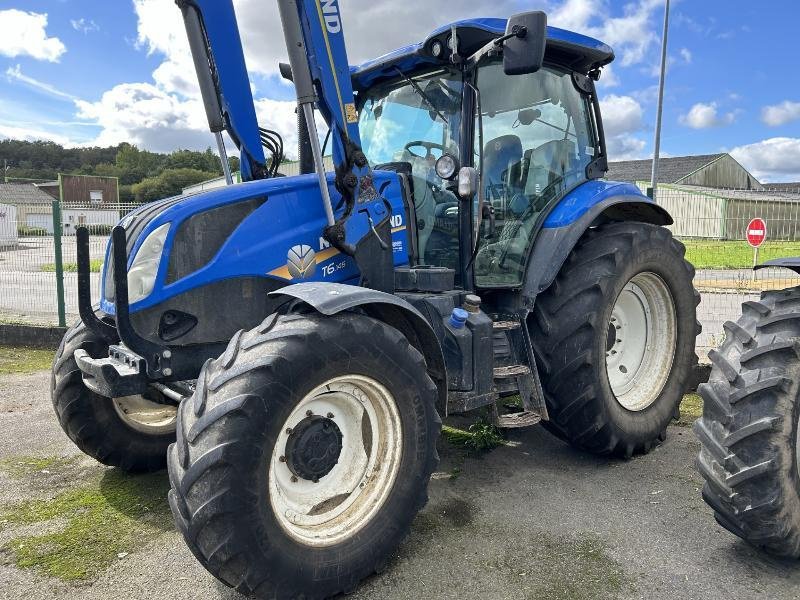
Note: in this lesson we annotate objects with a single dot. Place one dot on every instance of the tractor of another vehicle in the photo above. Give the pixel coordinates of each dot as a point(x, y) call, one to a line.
point(750, 428)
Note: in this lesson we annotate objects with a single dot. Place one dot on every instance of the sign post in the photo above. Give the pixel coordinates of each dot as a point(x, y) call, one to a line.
point(756, 235)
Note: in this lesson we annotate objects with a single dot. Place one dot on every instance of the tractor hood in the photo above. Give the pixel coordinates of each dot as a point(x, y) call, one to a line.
point(250, 230)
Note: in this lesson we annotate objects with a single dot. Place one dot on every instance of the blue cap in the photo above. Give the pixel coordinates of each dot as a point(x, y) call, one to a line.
point(458, 317)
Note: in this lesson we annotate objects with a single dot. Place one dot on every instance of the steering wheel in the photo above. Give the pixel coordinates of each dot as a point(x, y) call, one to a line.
point(423, 144)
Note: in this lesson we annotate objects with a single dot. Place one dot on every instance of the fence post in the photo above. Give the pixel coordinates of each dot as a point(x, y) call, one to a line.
point(58, 229)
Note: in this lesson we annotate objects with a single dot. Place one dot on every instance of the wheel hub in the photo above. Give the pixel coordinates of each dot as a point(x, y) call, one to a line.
point(313, 448)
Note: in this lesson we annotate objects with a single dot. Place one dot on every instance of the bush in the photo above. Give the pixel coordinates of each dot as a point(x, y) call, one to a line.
point(25, 231)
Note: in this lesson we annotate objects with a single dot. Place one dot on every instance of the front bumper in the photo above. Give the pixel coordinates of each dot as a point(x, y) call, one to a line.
point(136, 363)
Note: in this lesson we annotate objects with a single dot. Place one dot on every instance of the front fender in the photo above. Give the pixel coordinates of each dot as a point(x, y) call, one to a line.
point(559, 235)
point(332, 298)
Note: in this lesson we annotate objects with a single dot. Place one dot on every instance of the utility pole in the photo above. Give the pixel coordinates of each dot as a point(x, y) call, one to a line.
point(660, 108)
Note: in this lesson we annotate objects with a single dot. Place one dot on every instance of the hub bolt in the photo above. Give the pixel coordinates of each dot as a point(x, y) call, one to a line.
point(288, 431)
point(294, 479)
point(309, 413)
point(330, 415)
point(282, 459)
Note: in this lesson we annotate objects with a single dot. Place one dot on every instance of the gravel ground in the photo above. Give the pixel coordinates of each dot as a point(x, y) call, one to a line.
point(534, 519)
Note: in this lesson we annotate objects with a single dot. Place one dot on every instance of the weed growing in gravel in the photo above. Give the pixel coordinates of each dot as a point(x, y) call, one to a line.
point(481, 436)
point(105, 520)
point(691, 410)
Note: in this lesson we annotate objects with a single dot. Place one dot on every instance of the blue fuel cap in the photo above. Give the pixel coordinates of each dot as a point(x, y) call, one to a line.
point(458, 317)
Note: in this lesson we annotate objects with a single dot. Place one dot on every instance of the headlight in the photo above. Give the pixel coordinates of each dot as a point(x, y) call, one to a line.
point(447, 166)
point(143, 271)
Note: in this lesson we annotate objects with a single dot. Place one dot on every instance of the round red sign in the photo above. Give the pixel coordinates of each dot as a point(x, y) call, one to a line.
point(756, 232)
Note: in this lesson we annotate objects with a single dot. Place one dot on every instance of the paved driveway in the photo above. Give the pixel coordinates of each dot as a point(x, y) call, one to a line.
point(535, 519)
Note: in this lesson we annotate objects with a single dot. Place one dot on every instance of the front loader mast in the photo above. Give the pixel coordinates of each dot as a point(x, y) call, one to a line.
point(321, 74)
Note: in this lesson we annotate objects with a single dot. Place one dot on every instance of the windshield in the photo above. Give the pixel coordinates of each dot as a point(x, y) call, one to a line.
point(415, 122)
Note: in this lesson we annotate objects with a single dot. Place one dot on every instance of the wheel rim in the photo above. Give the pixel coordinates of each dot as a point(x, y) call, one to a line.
point(351, 485)
point(641, 340)
point(146, 416)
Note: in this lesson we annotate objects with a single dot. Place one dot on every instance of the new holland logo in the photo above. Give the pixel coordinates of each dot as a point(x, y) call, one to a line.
point(301, 262)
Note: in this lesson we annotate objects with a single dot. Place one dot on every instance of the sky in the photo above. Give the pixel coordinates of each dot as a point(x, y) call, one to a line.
point(90, 72)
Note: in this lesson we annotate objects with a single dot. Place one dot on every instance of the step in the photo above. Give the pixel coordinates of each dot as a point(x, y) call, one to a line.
point(511, 371)
point(505, 325)
point(525, 418)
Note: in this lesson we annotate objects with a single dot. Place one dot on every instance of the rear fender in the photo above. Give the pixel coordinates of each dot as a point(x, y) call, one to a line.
point(332, 298)
point(554, 244)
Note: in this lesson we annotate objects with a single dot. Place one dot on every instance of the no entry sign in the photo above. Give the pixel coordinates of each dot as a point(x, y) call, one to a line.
point(756, 232)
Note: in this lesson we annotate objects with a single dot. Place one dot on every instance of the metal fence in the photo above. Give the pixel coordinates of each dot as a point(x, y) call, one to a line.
point(37, 243)
point(710, 222)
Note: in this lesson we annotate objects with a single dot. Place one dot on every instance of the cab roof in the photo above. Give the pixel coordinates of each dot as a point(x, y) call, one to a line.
point(574, 50)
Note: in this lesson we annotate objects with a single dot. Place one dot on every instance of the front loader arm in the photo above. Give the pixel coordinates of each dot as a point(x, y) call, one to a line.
point(221, 71)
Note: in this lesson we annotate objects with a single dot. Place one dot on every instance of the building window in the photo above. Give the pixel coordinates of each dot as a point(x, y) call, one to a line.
point(96, 196)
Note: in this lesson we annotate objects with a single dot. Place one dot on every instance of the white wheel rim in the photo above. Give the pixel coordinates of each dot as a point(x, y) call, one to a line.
point(344, 500)
point(144, 416)
point(641, 340)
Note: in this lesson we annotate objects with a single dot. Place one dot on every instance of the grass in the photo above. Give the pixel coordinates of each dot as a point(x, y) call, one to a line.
point(717, 254)
point(691, 410)
point(95, 265)
point(24, 360)
point(21, 467)
point(481, 436)
point(95, 525)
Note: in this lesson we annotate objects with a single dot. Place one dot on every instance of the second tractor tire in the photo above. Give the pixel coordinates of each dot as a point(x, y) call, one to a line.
point(573, 337)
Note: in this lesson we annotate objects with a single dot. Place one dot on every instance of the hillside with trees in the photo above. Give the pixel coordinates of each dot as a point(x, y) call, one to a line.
point(143, 175)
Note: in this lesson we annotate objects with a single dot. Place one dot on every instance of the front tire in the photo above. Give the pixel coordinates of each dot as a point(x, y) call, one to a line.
point(749, 429)
point(304, 455)
point(614, 338)
point(131, 433)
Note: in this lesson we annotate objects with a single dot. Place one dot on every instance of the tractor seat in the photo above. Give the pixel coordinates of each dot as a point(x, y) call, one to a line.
point(500, 156)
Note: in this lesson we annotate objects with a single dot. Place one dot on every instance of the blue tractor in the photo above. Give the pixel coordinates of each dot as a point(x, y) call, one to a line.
point(288, 346)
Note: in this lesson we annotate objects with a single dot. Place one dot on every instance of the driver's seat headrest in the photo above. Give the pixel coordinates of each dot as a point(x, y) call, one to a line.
point(499, 154)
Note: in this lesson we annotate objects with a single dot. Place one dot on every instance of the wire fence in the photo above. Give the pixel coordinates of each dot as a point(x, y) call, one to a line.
point(712, 224)
point(29, 256)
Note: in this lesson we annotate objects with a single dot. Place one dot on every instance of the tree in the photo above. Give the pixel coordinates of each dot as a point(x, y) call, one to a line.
point(168, 183)
point(135, 165)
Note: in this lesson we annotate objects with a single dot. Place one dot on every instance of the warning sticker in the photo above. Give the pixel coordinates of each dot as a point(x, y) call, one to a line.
point(351, 114)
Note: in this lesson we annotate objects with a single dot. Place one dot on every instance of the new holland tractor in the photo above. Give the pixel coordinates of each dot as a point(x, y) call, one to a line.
point(750, 428)
point(288, 346)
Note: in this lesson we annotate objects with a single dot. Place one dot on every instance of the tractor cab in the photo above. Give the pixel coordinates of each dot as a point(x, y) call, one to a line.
point(533, 137)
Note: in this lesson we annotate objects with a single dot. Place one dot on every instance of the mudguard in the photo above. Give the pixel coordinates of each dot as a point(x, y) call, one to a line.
point(332, 298)
point(597, 202)
point(792, 263)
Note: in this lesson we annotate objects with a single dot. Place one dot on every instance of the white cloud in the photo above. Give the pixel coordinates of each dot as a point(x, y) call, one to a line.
point(686, 55)
point(84, 25)
point(32, 134)
point(24, 34)
point(622, 118)
point(774, 159)
point(16, 74)
point(780, 114)
point(704, 116)
point(621, 114)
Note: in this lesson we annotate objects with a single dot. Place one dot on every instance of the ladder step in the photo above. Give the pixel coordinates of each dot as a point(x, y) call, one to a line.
point(505, 325)
point(526, 418)
point(511, 371)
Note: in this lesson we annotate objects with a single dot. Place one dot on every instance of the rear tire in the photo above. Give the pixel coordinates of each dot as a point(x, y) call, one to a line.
point(135, 441)
point(621, 272)
point(749, 428)
point(233, 494)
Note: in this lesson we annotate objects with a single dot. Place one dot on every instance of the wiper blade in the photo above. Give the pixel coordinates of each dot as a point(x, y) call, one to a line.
point(421, 94)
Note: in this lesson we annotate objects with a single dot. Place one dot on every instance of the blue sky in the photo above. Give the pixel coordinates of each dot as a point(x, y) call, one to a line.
point(83, 72)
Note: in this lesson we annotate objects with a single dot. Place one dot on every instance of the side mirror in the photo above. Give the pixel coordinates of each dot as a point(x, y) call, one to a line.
point(523, 51)
point(467, 183)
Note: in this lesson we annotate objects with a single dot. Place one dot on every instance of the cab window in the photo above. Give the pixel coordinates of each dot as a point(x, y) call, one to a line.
point(538, 138)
